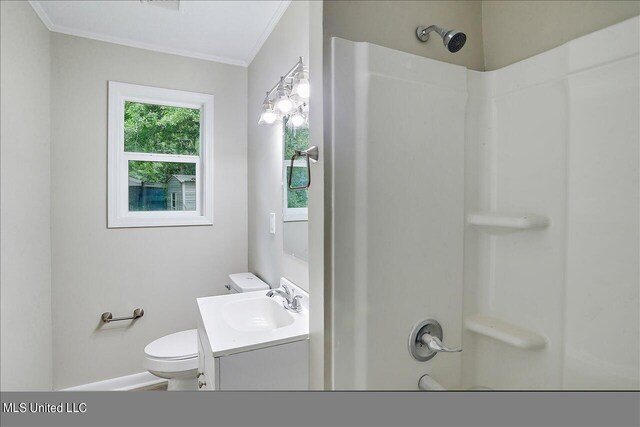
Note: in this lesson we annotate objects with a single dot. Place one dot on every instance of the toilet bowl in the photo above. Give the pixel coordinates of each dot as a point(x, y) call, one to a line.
point(174, 357)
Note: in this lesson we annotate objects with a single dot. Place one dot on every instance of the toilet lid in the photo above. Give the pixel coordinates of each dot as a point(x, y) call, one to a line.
point(181, 345)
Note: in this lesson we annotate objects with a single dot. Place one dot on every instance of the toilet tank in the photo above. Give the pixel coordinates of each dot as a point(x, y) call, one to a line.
point(245, 282)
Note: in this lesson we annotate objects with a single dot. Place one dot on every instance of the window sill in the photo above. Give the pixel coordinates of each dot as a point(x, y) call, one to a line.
point(132, 222)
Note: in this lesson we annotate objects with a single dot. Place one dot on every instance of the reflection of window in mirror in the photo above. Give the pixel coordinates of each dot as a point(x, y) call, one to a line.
point(295, 201)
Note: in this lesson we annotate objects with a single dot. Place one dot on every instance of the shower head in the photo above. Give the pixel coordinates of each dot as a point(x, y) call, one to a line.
point(453, 39)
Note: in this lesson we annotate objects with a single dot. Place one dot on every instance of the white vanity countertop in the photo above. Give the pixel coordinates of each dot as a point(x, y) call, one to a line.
point(247, 321)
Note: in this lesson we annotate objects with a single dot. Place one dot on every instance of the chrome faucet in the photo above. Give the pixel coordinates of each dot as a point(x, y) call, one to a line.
point(292, 301)
point(435, 345)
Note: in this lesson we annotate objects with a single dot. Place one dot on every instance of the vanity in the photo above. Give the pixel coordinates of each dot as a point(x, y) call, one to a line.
point(251, 341)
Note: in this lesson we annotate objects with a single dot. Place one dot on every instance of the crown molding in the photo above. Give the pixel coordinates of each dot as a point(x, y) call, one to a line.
point(41, 14)
point(282, 8)
point(35, 4)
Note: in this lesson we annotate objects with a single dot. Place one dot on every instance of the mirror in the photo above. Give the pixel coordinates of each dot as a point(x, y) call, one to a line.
point(294, 214)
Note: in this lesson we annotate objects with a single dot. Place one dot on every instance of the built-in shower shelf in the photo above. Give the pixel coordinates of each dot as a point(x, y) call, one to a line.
point(504, 222)
point(506, 332)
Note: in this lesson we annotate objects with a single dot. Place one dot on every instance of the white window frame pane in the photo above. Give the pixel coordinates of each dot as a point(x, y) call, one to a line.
point(118, 170)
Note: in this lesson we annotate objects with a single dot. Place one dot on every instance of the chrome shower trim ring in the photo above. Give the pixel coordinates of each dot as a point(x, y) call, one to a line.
point(422, 33)
point(417, 349)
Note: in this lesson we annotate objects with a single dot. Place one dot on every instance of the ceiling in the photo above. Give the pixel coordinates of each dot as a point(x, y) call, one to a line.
point(224, 31)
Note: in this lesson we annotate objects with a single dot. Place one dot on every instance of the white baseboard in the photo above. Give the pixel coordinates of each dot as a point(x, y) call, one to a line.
point(128, 382)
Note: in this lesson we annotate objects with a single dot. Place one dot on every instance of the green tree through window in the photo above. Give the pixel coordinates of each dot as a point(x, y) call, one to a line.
point(295, 139)
point(161, 129)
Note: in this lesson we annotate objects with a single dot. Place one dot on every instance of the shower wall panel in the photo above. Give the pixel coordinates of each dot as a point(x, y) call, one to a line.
point(602, 324)
point(563, 143)
point(399, 213)
point(418, 146)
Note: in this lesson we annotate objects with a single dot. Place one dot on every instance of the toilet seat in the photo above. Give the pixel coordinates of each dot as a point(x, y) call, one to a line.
point(178, 346)
point(173, 353)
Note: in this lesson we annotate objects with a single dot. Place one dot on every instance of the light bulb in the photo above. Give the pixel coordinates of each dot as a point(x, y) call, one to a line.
point(269, 117)
point(303, 89)
point(284, 104)
point(297, 119)
point(301, 82)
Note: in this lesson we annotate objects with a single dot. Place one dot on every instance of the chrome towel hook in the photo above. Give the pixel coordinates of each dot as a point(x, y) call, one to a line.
point(310, 154)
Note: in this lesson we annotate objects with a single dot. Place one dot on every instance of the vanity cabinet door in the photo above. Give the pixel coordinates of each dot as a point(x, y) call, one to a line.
point(211, 373)
point(201, 369)
point(207, 366)
point(200, 357)
point(281, 367)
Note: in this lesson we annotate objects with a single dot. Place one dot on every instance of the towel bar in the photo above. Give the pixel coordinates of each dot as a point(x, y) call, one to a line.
point(108, 316)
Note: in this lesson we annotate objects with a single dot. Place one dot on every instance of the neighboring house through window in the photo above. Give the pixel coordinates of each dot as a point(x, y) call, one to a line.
point(174, 201)
point(160, 157)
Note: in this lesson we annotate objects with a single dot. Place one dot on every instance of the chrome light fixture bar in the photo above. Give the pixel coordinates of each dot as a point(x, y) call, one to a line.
point(288, 98)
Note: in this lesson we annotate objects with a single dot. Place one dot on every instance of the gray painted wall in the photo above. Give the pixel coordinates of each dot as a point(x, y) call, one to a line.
point(515, 30)
point(95, 269)
point(25, 244)
point(499, 32)
point(393, 24)
point(288, 41)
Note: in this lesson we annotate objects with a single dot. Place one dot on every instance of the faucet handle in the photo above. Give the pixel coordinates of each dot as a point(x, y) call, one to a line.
point(434, 344)
point(287, 291)
point(296, 302)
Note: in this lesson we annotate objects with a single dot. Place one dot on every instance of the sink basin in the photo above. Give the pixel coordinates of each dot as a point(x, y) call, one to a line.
point(233, 323)
point(259, 314)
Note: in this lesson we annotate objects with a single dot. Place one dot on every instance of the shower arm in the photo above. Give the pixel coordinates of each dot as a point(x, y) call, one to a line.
point(423, 32)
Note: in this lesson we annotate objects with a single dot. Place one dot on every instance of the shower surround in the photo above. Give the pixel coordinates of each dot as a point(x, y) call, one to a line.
point(504, 204)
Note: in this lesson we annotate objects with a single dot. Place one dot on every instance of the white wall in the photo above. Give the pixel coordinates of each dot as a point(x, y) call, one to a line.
point(25, 245)
point(96, 269)
point(319, 345)
point(288, 41)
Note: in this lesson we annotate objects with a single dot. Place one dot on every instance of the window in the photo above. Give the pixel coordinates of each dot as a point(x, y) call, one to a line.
point(160, 157)
point(295, 201)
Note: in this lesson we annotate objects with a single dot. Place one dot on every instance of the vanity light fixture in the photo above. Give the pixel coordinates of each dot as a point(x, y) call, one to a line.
point(288, 98)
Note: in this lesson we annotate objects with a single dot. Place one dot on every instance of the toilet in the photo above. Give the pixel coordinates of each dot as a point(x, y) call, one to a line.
point(175, 356)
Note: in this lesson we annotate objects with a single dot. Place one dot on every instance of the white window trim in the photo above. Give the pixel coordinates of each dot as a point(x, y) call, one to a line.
point(292, 214)
point(118, 192)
